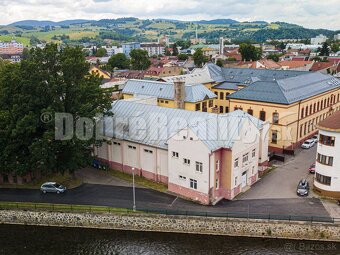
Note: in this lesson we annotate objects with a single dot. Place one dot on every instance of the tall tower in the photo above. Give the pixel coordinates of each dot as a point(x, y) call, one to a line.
point(179, 93)
point(221, 51)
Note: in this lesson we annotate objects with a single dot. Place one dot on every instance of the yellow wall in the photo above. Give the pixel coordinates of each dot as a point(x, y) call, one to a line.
point(95, 70)
point(223, 104)
point(171, 103)
point(290, 121)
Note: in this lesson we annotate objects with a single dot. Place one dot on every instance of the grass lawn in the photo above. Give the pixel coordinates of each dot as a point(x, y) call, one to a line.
point(139, 180)
point(67, 180)
point(63, 207)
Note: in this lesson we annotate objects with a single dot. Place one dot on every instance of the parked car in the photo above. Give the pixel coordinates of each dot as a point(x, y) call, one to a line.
point(308, 144)
point(315, 138)
point(52, 187)
point(302, 188)
point(311, 169)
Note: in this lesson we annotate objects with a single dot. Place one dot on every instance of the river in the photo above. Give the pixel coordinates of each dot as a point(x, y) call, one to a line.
point(32, 240)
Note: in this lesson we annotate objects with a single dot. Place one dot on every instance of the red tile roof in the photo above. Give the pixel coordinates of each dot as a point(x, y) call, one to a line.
point(318, 66)
point(331, 123)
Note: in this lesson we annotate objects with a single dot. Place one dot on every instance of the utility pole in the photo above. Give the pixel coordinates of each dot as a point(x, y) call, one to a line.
point(133, 189)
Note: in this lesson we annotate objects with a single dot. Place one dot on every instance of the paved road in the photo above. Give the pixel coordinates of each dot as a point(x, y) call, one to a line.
point(282, 182)
point(118, 196)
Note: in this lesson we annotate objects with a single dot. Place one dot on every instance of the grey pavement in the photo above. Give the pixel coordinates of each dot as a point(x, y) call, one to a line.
point(282, 181)
point(94, 176)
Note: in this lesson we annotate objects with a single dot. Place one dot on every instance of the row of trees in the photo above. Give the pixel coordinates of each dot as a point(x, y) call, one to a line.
point(46, 82)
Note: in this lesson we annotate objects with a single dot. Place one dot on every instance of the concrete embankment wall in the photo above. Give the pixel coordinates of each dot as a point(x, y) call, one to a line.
point(178, 224)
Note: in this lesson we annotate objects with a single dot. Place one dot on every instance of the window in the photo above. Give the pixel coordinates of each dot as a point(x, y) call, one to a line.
point(216, 183)
point(186, 161)
point(274, 137)
point(198, 107)
point(236, 181)
point(182, 178)
point(275, 118)
point(253, 153)
point(166, 102)
point(193, 184)
point(250, 111)
point(131, 147)
point(226, 95)
point(217, 165)
point(221, 95)
point(307, 110)
point(221, 109)
point(325, 180)
point(236, 163)
point(148, 151)
point(116, 143)
point(199, 167)
point(263, 115)
point(325, 160)
point(245, 158)
point(302, 112)
point(327, 140)
point(175, 154)
point(211, 103)
point(226, 109)
point(162, 101)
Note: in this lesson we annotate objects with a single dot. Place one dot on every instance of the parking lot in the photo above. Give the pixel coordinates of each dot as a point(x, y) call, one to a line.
point(282, 182)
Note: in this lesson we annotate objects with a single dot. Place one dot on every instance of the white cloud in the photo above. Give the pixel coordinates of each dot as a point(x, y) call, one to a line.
point(309, 13)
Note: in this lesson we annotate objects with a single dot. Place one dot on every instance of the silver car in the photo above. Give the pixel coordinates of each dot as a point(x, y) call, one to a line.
point(52, 187)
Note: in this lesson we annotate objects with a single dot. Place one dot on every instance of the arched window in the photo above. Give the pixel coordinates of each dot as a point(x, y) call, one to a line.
point(226, 95)
point(302, 112)
point(275, 118)
point(314, 109)
point(307, 110)
point(310, 109)
point(318, 108)
point(250, 111)
point(221, 95)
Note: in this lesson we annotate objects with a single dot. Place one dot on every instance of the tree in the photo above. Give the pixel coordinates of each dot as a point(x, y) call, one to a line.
point(219, 62)
point(139, 59)
point(119, 61)
point(101, 52)
point(274, 57)
point(198, 57)
point(335, 47)
point(47, 82)
point(250, 52)
point(324, 50)
point(182, 56)
point(174, 49)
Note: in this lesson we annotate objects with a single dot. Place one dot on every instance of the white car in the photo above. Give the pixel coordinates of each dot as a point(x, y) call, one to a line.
point(315, 138)
point(308, 144)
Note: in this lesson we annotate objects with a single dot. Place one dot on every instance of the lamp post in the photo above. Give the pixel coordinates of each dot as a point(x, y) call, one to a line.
point(133, 189)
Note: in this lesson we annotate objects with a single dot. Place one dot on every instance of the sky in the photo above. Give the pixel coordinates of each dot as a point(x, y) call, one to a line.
point(308, 13)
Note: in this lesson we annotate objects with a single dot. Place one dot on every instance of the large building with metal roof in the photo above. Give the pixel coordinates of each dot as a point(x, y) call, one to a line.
point(177, 94)
point(293, 101)
point(202, 156)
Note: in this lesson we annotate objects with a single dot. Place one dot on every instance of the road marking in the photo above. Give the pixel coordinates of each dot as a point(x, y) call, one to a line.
point(173, 201)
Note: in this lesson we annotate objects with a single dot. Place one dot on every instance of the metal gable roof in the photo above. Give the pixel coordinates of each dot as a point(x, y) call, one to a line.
point(288, 91)
point(193, 93)
point(215, 130)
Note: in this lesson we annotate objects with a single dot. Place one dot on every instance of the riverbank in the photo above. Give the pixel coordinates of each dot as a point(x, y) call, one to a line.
point(176, 224)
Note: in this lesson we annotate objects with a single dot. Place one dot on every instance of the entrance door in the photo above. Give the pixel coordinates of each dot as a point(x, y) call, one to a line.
point(244, 179)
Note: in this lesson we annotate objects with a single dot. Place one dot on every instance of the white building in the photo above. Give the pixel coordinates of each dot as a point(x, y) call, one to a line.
point(320, 39)
point(302, 46)
point(336, 37)
point(112, 50)
point(201, 156)
point(153, 48)
point(327, 174)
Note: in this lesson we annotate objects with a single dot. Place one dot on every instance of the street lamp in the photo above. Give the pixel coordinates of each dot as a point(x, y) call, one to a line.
point(133, 189)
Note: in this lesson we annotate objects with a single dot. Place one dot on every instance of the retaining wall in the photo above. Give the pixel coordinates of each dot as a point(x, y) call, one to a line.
point(178, 224)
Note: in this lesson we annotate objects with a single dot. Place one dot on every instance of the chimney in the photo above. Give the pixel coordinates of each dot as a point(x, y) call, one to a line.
point(179, 93)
